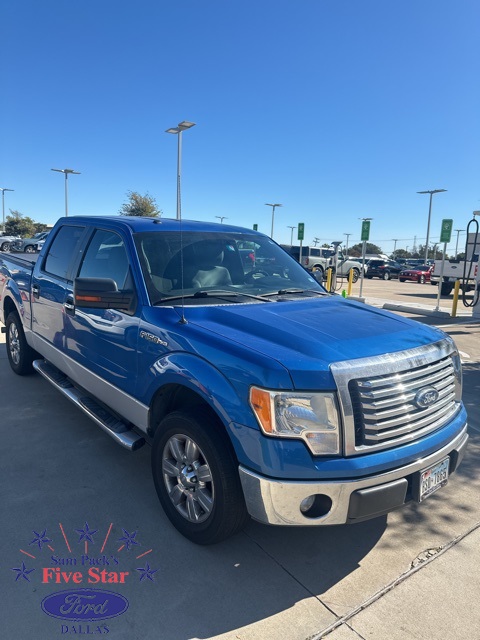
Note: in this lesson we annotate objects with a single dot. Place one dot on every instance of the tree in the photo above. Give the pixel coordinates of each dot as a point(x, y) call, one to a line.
point(139, 205)
point(356, 250)
point(16, 224)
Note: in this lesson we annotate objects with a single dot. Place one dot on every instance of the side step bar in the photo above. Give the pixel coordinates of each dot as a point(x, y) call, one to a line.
point(112, 425)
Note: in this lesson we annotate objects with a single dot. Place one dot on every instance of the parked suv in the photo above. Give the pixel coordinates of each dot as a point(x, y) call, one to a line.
point(384, 269)
point(30, 245)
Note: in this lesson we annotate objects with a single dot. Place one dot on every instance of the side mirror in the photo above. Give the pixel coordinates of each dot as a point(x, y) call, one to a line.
point(102, 293)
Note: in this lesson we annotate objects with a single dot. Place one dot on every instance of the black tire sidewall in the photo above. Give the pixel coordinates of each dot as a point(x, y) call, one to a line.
point(229, 506)
point(24, 366)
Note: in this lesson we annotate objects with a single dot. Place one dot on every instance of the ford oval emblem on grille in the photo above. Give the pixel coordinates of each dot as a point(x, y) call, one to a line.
point(426, 397)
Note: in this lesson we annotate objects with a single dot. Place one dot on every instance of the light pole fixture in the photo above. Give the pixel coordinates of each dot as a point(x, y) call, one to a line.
point(3, 189)
point(459, 231)
point(221, 218)
point(431, 192)
point(291, 234)
point(267, 204)
point(394, 246)
point(182, 126)
point(66, 172)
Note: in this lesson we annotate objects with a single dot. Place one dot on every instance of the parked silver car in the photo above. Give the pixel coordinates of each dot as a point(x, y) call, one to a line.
point(7, 241)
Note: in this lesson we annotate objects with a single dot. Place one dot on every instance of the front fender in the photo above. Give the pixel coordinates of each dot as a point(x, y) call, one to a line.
point(12, 299)
point(209, 383)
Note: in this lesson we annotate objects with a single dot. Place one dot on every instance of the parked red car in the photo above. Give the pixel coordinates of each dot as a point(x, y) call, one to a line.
point(416, 274)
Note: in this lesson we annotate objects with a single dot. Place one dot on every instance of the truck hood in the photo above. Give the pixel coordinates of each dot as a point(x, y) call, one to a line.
point(307, 335)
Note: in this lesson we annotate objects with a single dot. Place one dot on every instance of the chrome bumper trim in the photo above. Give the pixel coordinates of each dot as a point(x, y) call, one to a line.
point(277, 502)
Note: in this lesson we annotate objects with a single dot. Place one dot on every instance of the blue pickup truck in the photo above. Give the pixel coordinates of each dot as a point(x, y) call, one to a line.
point(260, 394)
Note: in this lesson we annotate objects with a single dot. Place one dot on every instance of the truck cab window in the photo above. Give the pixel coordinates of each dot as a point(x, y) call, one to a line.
point(63, 250)
point(106, 257)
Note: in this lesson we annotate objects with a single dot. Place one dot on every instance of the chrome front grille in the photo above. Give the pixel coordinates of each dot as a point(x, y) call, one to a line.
point(385, 407)
point(393, 399)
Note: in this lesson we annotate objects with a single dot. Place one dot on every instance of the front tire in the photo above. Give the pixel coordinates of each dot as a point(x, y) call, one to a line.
point(29, 249)
point(421, 279)
point(386, 275)
point(20, 355)
point(196, 477)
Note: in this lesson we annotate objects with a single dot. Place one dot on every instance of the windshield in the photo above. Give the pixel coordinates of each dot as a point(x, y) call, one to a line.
point(237, 264)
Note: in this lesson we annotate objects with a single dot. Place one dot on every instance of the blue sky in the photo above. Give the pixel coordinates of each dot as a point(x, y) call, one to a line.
point(338, 109)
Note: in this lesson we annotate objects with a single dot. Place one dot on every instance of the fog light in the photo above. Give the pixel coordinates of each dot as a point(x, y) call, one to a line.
point(307, 504)
point(316, 506)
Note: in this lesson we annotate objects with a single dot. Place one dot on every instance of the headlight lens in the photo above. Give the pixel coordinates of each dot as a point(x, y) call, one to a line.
point(457, 367)
point(313, 417)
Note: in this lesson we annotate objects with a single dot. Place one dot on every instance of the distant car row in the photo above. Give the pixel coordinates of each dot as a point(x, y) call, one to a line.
point(387, 269)
point(26, 245)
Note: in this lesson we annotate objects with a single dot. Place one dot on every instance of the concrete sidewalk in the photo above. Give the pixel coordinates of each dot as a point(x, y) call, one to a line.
point(437, 598)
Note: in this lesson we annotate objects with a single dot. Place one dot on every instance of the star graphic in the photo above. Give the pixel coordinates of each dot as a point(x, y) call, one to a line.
point(23, 572)
point(147, 572)
point(40, 539)
point(86, 533)
point(129, 539)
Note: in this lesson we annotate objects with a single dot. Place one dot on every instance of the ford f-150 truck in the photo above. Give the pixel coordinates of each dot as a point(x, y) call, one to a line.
point(260, 394)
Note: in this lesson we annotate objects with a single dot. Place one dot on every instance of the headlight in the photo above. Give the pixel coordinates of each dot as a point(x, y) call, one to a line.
point(457, 368)
point(313, 417)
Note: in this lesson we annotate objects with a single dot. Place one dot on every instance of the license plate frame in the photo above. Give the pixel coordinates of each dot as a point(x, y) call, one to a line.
point(432, 478)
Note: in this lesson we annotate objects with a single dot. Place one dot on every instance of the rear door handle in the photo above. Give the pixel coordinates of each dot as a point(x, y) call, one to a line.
point(69, 306)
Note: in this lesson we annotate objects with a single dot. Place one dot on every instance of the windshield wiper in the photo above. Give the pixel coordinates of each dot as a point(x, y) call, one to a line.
point(287, 291)
point(220, 293)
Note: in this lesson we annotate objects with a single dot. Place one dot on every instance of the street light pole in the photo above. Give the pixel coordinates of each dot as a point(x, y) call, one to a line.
point(273, 213)
point(291, 234)
point(66, 172)
point(394, 246)
point(222, 218)
point(456, 246)
point(182, 126)
point(346, 248)
point(431, 192)
point(3, 206)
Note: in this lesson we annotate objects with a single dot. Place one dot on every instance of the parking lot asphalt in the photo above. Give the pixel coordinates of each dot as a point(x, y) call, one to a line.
point(75, 505)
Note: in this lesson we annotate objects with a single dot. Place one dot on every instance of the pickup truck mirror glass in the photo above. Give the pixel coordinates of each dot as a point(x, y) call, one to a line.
point(102, 293)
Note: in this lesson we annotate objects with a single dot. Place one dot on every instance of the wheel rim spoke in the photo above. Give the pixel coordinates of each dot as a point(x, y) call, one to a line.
point(177, 449)
point(192, 508)
point(204, 500)
point(170, 468)
point(204, 474)
point(177, 495)
point(191, 451)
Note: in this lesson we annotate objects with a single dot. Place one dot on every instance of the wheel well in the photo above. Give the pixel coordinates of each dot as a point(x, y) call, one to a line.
point(8, 307)
point(173, 397)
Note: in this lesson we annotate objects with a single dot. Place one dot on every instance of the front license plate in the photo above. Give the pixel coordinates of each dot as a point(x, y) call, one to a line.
point(433, 478)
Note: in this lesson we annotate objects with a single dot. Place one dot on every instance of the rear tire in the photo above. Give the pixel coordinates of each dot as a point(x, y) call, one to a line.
point(446, 288)
point(196, 477)
point(356, 274)
point(30, 249)
point(386, 275)
point(5, 246)
point(20, 355)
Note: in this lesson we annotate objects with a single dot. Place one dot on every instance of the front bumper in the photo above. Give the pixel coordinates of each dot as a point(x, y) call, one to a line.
point(278, 502)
